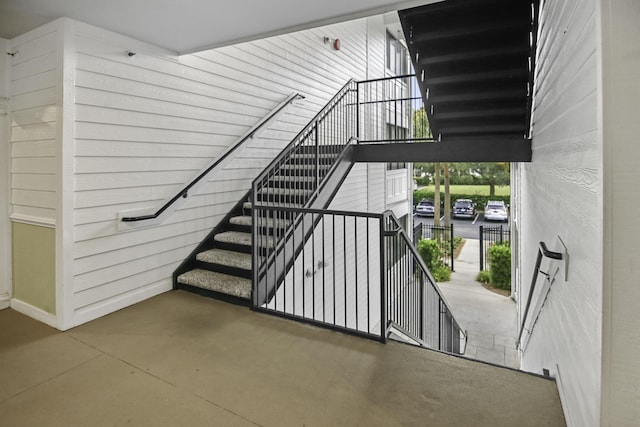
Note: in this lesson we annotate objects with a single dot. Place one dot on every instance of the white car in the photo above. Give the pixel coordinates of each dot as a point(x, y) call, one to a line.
point(496, 211)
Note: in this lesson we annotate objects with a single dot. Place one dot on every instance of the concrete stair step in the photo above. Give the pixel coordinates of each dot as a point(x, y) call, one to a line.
point(217, 282)
point(227, 258)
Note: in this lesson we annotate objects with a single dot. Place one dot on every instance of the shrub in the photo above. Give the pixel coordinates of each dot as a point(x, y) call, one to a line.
point(484, 277)
point(500, 266)
point(429, 250)
point(430, 253)
point(441, 273)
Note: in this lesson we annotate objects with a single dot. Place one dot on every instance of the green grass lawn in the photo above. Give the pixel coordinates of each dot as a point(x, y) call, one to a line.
point(482, 190)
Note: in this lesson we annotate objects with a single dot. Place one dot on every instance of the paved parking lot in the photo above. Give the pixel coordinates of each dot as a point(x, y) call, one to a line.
point(466, 228)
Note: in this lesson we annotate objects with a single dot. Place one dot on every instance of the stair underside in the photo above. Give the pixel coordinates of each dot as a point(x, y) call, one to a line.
point(217, 282)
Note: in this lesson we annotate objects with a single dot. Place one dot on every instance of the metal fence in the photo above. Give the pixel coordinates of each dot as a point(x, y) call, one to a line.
point(351, 271)
point(440, 233)
point(489, 236)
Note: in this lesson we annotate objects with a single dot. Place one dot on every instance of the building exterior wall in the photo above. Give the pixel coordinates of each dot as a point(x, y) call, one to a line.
point(621, 127)
point(561, 204)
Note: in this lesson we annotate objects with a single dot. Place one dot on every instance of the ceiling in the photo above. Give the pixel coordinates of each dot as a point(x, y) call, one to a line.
point(475, 62)
point(187, 26)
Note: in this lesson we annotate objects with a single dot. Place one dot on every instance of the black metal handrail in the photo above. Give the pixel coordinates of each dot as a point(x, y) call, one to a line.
point(414, 301)
point(543, 251)
point(183, 193)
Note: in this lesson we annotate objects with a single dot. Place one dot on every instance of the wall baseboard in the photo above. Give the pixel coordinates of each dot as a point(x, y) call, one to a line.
point(34, 312)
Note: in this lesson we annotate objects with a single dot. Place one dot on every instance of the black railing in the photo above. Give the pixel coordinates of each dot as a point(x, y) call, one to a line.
point(355, 272)
point(326, 269)
point(543, 252)
point(441, 234)
point(392, 111)
point(414, 301)
point(489, 236)
point(184, 191)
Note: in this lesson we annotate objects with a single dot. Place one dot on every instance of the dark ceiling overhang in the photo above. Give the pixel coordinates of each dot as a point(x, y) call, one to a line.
point(475, 62)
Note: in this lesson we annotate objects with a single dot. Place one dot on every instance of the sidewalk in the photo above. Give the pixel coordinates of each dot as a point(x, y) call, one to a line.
point(489, 319)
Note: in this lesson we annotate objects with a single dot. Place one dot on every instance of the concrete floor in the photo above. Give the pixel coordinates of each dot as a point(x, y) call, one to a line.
point(183, 360)
point(490, 319)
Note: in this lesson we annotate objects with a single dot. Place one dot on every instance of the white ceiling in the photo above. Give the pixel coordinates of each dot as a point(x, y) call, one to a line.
point(187, 26)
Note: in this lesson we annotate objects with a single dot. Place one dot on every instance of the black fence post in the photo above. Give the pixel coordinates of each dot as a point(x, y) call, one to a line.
point(452, 246)
point(481, 250)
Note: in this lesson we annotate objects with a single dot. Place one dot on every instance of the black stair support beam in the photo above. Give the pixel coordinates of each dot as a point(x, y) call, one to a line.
point(467, 31)
point(505, 74)
point(480, 96)
point(476, 54)
point(481, 114)
point(516, 149)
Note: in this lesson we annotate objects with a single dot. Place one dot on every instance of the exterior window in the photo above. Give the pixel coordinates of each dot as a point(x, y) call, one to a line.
point(396, 165)
point(396, 56)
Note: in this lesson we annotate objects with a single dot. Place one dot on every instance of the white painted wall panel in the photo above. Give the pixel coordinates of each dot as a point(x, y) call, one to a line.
point(34, 114)
point(145, 125)
point(5, 154)
point(561, 197)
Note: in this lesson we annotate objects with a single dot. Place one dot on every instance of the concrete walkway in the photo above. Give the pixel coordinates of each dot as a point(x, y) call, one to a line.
point(490, 319)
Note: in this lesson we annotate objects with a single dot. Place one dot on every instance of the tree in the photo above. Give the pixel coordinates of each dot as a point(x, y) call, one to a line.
point(436, 194)
point(447, 197)
point(421, 128)
point(491, 174)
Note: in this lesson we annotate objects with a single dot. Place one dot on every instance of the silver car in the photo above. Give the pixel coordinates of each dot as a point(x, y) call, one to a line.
point(495, 211)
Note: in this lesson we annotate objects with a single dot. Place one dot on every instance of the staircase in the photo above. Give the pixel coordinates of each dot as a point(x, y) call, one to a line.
point(221, 266)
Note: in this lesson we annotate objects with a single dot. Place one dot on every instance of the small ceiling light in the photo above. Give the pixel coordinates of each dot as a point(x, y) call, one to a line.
point(130, 53)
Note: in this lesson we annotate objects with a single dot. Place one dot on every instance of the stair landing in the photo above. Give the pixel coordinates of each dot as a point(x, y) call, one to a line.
point(178, 359)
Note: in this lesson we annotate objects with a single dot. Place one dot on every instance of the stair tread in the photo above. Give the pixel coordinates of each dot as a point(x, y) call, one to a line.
point(247, 221)
point(237, 237)
point(241, 220)
point(227, 258)
point(218, 282)
point(286, 191)
point(244, 239)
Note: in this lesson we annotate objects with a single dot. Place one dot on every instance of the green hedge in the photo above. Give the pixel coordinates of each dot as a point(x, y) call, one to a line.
point(500, 266)
point(479, 200)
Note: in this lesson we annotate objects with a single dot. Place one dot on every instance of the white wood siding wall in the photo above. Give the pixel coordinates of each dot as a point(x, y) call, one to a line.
point(145, 124)
point(35, 102)
point(562, 199)
point(5, 154)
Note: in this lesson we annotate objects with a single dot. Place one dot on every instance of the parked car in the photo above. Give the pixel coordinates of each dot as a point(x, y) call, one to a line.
point(496, 211)
point(425, 208)
point(464, 208)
